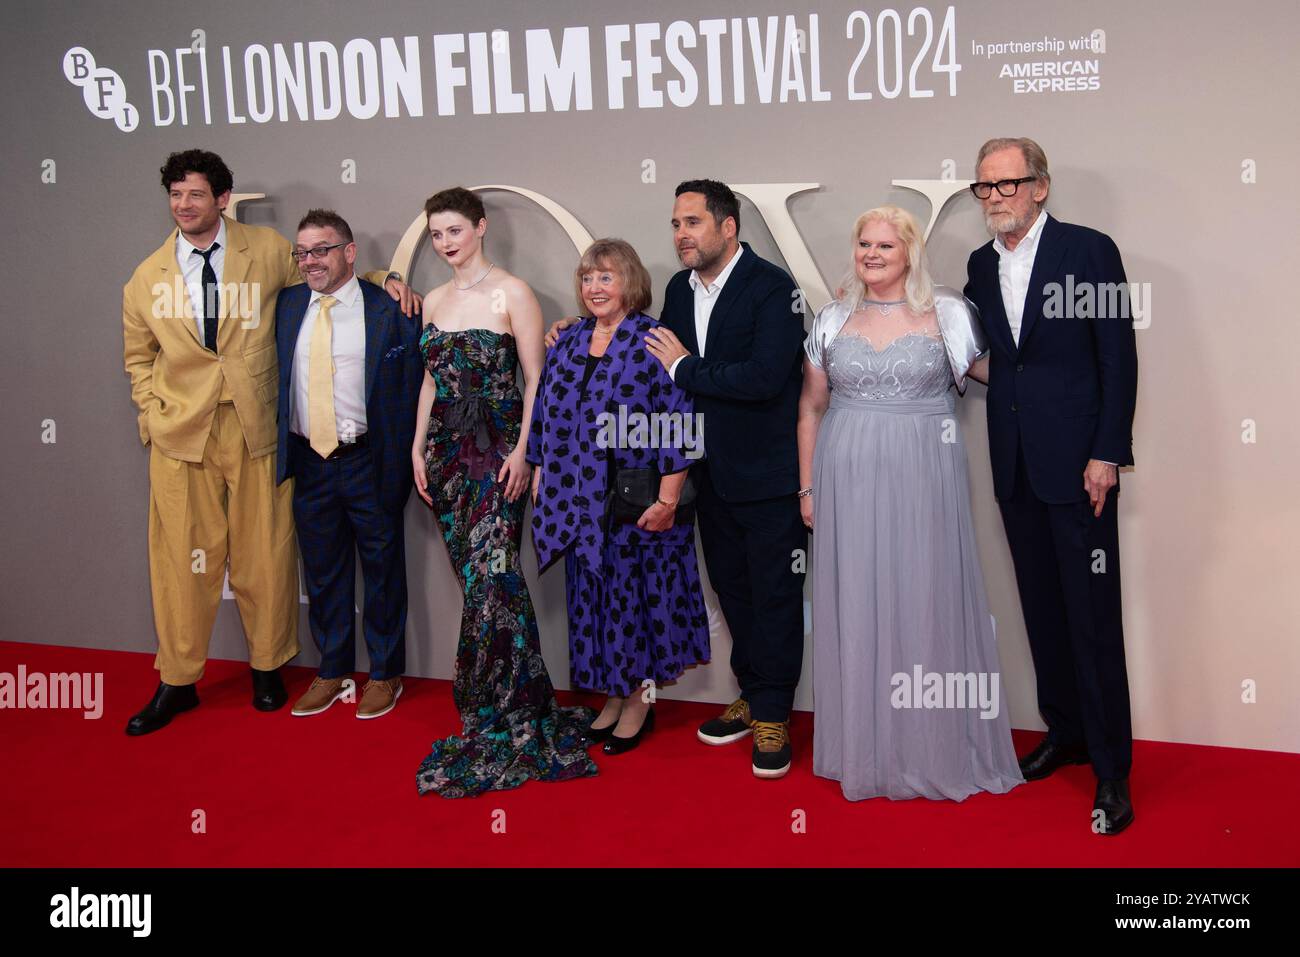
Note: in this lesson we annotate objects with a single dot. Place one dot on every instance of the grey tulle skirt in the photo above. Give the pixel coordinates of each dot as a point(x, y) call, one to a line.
point(908, 696)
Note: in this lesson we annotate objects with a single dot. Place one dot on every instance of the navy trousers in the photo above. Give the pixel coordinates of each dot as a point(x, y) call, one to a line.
point(749, 551)
point(337, 511)
point(1067, 572)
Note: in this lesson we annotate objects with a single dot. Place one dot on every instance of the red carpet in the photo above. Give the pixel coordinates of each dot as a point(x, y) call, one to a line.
point(331, 790)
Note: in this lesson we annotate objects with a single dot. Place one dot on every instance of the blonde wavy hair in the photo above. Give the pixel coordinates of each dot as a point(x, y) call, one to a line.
point(918, 286)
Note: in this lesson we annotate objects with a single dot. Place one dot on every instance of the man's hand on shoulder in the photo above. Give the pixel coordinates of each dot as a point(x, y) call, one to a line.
point(665, 346)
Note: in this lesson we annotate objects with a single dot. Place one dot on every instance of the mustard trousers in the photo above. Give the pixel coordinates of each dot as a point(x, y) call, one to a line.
point(200, 514)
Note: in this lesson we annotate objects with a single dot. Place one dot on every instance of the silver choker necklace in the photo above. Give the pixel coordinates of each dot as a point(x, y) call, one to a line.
point(476, 281)
point(885, 307)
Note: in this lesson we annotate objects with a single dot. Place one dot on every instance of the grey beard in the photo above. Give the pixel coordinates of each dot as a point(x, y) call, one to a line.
point(1016, 224)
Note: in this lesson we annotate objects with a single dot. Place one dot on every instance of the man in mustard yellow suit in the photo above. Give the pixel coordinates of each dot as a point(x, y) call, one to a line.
point(198, 321)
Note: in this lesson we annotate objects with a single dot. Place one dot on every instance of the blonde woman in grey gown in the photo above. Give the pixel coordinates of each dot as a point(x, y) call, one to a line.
point(908, 699)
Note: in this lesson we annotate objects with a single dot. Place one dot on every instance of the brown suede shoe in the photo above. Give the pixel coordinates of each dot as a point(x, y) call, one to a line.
point(771, 754)
point(379, 697)
point(322, 693)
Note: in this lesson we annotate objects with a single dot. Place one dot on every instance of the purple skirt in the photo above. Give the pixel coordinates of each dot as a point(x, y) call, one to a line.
point(640, 616)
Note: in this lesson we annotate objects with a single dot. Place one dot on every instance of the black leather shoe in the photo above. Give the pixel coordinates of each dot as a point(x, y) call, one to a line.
point(1112, 808)
point(1047, 757)
point(167, 702)
point(268, 690)
point(597, 735)
point(617, 745)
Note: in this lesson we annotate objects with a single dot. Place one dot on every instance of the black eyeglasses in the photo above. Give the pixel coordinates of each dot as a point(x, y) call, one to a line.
point(1005, 187)
point(316, 252)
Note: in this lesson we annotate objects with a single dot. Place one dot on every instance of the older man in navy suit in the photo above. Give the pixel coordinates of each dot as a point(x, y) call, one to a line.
point(350, 375)
point(1054, 301)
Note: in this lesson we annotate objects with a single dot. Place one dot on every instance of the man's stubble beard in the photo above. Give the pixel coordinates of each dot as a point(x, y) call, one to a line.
point(706, 265)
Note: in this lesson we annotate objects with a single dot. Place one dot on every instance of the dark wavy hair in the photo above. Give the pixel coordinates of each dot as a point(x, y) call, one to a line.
point(719, 200)
point(211, 166)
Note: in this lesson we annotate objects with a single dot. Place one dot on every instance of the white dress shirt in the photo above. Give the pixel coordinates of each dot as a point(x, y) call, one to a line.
point(192, 269)
point(1014, 269)
point(348, 317)
point(706, 297)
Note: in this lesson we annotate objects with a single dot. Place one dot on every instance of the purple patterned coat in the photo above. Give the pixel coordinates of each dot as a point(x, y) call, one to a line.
point(569, 436)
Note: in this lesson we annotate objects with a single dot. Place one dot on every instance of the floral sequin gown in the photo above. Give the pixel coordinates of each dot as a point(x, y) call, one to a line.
point(511, 727)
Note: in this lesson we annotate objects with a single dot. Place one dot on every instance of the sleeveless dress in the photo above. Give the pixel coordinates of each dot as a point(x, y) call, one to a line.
point(511, 727)
point(908, 700)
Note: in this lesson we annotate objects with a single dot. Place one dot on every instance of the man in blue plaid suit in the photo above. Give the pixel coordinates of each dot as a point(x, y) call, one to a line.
point(350, 376)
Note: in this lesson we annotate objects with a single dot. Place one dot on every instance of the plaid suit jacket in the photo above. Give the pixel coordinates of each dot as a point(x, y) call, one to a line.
point(394, 373)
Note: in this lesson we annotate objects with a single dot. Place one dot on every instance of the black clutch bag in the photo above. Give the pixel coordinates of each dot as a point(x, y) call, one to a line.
point(635, 490)
point(632, 491)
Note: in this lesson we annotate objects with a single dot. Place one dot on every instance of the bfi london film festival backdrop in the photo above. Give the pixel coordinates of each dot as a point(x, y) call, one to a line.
point(1170, 126)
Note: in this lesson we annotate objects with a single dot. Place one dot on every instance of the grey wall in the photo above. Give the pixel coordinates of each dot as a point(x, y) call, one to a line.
point(1188, 94)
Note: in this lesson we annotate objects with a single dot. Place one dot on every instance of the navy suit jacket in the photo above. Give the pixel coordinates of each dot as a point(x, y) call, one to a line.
point(1067, 393)
point(394, 374)
point(746, 385)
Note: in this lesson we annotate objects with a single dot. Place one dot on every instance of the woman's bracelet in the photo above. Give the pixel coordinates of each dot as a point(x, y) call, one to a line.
point(805, 492)
point(660, 501)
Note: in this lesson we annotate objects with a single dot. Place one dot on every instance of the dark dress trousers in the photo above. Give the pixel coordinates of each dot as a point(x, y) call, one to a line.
point(746, 386)
point(1065, 394)
point(352, 502)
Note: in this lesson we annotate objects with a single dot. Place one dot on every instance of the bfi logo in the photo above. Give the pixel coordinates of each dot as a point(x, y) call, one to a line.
point(101, 88)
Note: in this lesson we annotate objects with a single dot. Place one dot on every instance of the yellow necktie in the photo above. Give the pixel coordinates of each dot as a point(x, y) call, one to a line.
point(320, 382)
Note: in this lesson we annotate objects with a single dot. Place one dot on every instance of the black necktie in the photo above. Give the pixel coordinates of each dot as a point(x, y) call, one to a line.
point(211, 298)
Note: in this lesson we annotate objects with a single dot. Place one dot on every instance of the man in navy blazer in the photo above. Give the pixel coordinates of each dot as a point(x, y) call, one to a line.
point(350, 375)
point(732, 335)
point(1054, 302)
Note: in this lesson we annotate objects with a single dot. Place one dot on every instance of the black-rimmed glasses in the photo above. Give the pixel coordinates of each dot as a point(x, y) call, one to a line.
point(316, 252)
point(1005, 187)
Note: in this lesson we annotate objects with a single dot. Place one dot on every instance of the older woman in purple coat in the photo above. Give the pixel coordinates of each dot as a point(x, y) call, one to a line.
point(604, 406)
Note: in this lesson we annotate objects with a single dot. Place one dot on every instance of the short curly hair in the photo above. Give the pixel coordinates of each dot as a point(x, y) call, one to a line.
point(457, 199)
point(211, 166)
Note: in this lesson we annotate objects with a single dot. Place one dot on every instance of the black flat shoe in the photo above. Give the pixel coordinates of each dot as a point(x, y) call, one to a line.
point(268, 690)
point(617, 745)
point(597, 735)
point(167, 702)
point(1048, 757)
point(1112, 808)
